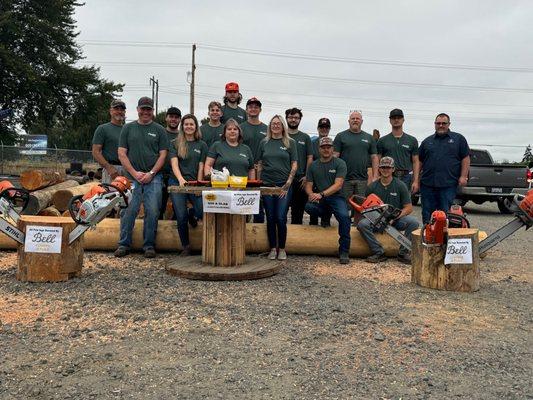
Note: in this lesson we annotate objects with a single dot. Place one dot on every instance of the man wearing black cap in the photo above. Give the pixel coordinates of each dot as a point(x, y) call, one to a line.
point(403, 149)
point(143, 148)
point(172, 121)
point(231, 108)
point(105, 142)
point(323, 128)
point(253, 132)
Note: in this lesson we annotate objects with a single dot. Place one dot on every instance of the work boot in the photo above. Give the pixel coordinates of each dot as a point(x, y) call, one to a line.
point(122, 251)
point(325, 222)
point(149, 252)
point(186, 251)
point(344, 258)
point(376, 258)
point(313, 220)
point(404, 258)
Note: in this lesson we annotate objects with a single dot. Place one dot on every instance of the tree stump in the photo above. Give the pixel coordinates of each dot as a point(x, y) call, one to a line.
point(224, 239)
point(428, 268)
point(50, 267)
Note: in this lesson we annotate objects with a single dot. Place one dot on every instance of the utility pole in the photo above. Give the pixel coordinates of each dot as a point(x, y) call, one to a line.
point(193, 69)
point(155, 92)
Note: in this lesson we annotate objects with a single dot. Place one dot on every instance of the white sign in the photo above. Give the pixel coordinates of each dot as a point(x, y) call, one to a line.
point(231, 201)
point(43, 239)
point(458, 251)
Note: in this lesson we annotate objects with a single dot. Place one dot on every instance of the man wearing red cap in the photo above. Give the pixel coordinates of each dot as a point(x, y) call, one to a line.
point(231, 108)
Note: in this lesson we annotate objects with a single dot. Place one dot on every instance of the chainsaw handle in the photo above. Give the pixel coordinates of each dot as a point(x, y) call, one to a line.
point(16, 193)
point(73, 213)
point(352, 201)
point(108, 186)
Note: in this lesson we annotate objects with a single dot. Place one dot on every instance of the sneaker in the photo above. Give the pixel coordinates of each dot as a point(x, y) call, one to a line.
point(273, 254)
point(149, 253)
point(344, 258)
point(186, 251)
point(282, 255)
point(122, 251)
point(376, 258)
point(404, 258)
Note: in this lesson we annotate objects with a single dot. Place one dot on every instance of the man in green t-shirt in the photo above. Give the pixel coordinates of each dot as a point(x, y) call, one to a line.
point(142, 150)
point(325, 178)
point(354, 146)
point(172, 122)
point(231, 108)
point(305, 158)
point(105, 142)
point(391, 191)
point(323, 128)
point(212, 130)
point(403, 148)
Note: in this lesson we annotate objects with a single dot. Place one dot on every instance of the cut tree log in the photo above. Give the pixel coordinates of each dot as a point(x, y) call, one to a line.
point(50, 212)
point(61, 197)
point(35, 179)
point(40, 199)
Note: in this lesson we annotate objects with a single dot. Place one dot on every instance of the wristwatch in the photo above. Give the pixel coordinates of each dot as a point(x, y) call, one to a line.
point(152, 173)
point(322, 194)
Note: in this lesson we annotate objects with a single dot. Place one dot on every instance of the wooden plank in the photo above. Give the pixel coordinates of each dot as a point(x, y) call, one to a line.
point(199, 189)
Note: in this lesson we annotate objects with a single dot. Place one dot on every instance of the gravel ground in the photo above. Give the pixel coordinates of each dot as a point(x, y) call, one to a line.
point(317, 330)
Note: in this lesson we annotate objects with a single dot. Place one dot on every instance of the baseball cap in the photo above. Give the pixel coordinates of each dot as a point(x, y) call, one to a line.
point(174, 111)
point(386, 162)
point(254, 100)
point(324, 123)
point(325, 141)
point(232, 86)
point(396, 113)
point(118, 103)
point(145, 102)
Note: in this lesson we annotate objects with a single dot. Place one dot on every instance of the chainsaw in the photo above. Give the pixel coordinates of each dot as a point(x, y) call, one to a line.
point(380, 215)
point(522, 208)
point(12, 201)
point(89, 209)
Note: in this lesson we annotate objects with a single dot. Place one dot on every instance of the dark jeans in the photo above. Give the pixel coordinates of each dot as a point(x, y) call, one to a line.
point(335, 204)
point(366, 229)
point(299, 198)
point(276, 217)
point(434, 198)
point(260, 218)
point(179, 203)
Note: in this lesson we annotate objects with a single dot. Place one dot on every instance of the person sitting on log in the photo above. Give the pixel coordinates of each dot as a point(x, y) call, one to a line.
point(187, 157)
point(394, 192)
point(327, 175)
point(231, 153)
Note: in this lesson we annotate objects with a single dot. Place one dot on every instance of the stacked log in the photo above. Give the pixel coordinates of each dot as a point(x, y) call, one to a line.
point(35, 179)
point(40, 199)
point(61, 197)
point(50, 212)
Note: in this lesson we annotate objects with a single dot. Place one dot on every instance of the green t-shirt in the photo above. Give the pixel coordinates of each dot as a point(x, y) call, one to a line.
point(108, 135)
point(314, 143)
point(167, 169)
point(238, 160)
point(305, 148)
point(401, 149)
point(196, 154)
point(354, 149)
point(252, 135)
point(143, 142)
point(395, 193)
point(238, 114)
point(276, 160)
point(323, 174)
point(211, 134)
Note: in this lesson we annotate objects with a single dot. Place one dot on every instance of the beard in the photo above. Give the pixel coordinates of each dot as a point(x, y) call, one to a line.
point(293, 125)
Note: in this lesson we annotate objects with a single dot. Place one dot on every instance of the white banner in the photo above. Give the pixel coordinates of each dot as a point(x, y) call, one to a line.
point(43, 239)
point(231, 201)
point(458, 251)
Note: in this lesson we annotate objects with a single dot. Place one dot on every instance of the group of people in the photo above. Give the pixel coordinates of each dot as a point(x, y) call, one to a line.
point(315, 176)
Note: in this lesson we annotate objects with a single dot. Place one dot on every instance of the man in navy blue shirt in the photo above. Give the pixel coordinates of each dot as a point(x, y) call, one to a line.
point(445, 161)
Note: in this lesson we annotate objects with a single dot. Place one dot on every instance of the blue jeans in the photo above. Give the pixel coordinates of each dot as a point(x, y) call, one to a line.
point(260, 217)
point(150, 195)
point(434, 198)
point(179, 202)
point(276, 209)
point(366, 229)
point(335, 204)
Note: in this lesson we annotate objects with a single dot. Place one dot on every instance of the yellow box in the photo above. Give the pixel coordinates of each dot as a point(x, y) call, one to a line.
point(238, 181)
point(218, 184)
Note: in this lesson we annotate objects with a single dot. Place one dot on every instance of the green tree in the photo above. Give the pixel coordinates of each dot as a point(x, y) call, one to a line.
point(528, 155)
point(40, 80)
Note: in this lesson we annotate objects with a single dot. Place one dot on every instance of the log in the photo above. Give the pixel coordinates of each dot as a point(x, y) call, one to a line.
point(428, 268)
point(224, 237)
point(34, 179)
point(41, 199)
point(61, 198)
point(50, 267)
point(80, 179)
point(50, 212)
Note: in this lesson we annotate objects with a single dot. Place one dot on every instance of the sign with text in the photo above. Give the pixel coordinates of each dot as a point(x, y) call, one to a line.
point(231, 201)
point(43, 239)
point(458, 251)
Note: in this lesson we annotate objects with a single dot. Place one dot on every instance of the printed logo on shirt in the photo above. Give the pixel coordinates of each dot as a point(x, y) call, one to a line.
point(151, 134)
point(393, 194)
point(243, 155)
point(283, 148)
point(240, 116)
point(405, 145)
point(300, 142)
point(364, 140)
point(332, 171)
point(262, 133)
point(450, 141)
point(197, 150)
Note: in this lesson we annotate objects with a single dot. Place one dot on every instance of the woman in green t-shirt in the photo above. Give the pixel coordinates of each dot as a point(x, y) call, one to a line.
point(229, 152)
point(277, 165)
point(187, 158)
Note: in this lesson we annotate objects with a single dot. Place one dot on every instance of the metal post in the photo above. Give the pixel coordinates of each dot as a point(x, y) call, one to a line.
point(156, 96)
point(57, 159)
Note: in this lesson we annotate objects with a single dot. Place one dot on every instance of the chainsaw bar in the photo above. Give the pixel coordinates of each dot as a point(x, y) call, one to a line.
point(374, 215)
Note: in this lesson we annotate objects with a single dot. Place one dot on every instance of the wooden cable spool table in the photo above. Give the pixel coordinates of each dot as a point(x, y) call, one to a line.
point(223, 245)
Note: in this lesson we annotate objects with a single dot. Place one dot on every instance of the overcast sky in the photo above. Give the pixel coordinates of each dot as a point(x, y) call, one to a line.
point(414, 49)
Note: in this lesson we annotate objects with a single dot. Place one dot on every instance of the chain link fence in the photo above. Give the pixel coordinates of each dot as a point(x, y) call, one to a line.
point(15, 159)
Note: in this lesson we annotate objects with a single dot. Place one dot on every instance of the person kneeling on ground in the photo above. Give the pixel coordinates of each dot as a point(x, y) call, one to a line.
point(326, 175)
point(394, 192)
